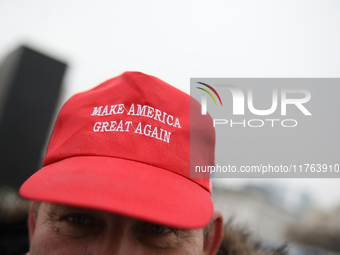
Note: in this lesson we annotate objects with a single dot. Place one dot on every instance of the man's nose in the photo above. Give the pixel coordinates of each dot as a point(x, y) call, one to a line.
point(116, 246)
point(116, 239)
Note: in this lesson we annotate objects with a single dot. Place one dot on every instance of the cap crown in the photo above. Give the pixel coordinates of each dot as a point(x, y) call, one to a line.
point(134, 117)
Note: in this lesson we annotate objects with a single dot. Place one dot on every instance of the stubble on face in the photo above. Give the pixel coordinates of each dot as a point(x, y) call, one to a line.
point(62, 230)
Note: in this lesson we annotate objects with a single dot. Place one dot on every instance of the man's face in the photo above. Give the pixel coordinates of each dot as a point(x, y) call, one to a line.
point(63, 230)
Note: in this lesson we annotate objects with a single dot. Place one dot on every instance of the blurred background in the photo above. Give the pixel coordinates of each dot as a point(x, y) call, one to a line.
point(50, 50)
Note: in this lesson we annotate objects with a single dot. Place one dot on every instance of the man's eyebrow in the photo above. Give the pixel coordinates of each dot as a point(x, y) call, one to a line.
point(180, 232)
point(55, 208)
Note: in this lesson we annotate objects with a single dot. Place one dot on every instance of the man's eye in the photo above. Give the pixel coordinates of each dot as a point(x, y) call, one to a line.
point(157, 236)
point(76, 225)
point(78, 219)
point(157, 229)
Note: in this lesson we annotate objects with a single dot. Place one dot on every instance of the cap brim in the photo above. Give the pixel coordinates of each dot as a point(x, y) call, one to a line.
point(124, 187)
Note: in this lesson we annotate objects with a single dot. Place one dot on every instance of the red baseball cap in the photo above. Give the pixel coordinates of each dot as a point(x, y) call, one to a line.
point(124, 147)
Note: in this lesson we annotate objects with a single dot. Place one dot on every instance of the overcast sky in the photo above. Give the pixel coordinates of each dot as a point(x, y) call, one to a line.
point(176, 40)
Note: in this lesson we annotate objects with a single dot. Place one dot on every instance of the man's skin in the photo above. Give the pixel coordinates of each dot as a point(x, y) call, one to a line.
point(62, 230)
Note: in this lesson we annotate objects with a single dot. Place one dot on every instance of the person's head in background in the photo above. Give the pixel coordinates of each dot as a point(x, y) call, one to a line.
point(116, 176)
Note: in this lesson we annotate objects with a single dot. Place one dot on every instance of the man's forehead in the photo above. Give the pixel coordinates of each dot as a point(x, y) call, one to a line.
point(61, 208)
